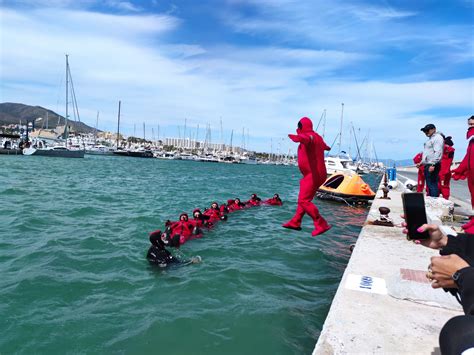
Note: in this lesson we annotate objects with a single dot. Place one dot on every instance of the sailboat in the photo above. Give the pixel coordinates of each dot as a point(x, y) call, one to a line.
point(342, 162)
point(98, 149)
point(137, 153)
point(40, 147)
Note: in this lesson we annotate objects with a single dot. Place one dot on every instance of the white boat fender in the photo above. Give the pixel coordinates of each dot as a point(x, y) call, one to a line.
point(392, 184)
point(411, 185)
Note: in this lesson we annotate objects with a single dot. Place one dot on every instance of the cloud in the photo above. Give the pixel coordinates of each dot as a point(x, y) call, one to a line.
point(353, 26)
point(122, 5)
point(163, 80)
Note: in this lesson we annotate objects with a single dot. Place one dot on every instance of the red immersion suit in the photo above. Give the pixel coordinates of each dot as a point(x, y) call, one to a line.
point(445, 171)
point(466, 170)
point(421, 173)
point(311, 164)
point(199, 220)
point(234, 205)
point(214, 214)
point(254, 201)
point(274, 201)
point(183, 227)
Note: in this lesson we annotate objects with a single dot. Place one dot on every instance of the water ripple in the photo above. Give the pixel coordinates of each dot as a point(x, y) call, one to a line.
point(75, 279)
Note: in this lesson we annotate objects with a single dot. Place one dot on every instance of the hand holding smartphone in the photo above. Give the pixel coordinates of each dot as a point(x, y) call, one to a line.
point(415, 215)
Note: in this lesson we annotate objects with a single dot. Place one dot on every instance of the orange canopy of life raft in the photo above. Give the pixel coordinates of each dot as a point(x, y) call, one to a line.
point(347, 186)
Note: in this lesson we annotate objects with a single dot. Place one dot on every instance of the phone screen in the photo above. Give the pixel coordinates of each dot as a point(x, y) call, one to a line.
point(415, 214)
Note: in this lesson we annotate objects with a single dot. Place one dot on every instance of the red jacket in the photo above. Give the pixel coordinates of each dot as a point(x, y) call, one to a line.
point(446, 160)
point(234, 206)
point(417, 159)
point(274, 201)
point(200, 220)
point(183, 228)
point(214, 214)
point(310, 152)
point(466, 168)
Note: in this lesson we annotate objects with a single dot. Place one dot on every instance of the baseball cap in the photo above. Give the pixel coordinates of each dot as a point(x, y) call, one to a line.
point(428, 127)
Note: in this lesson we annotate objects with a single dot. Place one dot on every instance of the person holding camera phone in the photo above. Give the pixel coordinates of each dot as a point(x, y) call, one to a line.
point(453, 271)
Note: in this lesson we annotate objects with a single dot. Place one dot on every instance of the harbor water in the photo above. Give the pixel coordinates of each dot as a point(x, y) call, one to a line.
point(74, 278)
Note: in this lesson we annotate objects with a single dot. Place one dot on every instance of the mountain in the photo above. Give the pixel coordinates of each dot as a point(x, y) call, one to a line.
point(12, 113)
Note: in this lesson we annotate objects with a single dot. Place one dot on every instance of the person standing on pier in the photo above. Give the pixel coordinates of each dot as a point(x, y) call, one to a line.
point(421, 174)
point(466, 170)
point(432, 154)
point(311, 164)
point(445, 170)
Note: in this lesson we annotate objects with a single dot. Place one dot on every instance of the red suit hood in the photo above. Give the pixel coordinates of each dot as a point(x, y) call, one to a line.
point(470, 132)
point(305, 125)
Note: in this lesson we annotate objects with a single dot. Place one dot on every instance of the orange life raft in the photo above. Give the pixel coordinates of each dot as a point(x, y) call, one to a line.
point(346, 187)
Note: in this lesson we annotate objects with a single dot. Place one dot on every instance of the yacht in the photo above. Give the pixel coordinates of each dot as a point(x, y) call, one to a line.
point(40, 148)
point(248, 159)
point(99, 150)
point(339, 164)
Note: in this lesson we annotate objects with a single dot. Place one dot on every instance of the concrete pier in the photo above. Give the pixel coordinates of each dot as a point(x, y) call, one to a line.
point(384, 303)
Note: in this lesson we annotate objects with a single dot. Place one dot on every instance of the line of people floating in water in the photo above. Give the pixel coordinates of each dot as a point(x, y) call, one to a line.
point(184, 229)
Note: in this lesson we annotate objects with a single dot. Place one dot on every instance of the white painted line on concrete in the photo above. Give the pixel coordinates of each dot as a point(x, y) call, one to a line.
point(366, 284)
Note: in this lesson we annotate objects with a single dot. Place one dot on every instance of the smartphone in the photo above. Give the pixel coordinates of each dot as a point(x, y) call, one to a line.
point(415, 214)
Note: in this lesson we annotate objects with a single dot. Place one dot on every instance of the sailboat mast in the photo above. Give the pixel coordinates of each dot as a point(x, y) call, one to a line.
point(67, 97)
point(222, 134)
point(96, 125)
point(185, 124)
point(118, 124)
point(324, 124)
point(340, 129)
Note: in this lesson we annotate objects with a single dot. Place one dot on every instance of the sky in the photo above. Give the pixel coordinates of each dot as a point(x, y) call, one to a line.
point(256, 65)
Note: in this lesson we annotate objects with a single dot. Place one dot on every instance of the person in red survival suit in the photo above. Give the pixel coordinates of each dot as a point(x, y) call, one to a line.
point(421, 173)
point(200, 221)
point(235, 204)
point(224, 210)
point(466, 170)
point(445, 170)
point(215, 213)
point(254, 201)
point(311, 164)
point(274, 201)
point(184, 228)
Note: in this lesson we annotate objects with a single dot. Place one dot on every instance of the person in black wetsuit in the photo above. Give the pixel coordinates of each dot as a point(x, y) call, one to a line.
point(454, 272)
point(157, 253)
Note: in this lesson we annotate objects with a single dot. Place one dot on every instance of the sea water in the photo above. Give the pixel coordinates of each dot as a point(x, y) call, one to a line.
point(74, 277)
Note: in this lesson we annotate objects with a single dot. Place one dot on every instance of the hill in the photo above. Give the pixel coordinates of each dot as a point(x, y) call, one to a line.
point(12, 113)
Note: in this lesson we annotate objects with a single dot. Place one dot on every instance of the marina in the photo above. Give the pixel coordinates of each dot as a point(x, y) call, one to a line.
point(236, 177)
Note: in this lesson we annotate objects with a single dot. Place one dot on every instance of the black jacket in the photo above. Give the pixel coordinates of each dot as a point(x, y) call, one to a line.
point(463, 246)
point(159, 256)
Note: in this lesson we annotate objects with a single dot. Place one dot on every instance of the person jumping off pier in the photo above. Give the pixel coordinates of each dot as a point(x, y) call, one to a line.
point(311, 164)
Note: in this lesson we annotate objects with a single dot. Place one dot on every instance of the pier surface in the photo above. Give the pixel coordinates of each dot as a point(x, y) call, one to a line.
point(384, 303)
